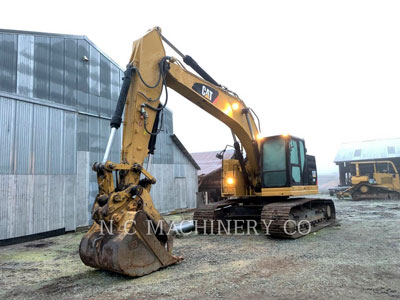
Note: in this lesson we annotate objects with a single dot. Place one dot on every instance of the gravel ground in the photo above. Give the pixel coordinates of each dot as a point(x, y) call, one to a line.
point(358, 258)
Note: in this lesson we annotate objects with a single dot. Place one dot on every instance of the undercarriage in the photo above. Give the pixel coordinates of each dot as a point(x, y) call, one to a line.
point(279, 218)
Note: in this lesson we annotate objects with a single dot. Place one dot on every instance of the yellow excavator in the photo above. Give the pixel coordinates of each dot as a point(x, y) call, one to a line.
point(264, 182)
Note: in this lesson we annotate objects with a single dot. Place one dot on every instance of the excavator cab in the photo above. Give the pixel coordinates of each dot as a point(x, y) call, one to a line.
point(285, 163)
point(285, 168)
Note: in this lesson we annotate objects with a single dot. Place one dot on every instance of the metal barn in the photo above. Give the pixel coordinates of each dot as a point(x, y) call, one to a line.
point(373, 150)
point(57, 93)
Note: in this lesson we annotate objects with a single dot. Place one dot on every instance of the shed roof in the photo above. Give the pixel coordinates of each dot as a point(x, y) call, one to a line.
point(208, 162)
point(367, 150)
point(179, 144)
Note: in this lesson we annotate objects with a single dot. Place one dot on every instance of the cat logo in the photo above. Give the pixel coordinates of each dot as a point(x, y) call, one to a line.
point(206, 91)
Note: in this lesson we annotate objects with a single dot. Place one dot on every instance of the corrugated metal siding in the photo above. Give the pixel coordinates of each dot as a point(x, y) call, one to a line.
point(57, 69)
point(38, 167)
point(40, 150)
point(7, 134)
point(53, 68)
point(69, 143)
point(42, 181)
point(176, 176)
point(94, 81)
point(23, 138)
point(41, 73)
point(83, 76)
point(8, 62)
point(164, 149)
point(48, 148)
point(70, 77)
point(25, 64)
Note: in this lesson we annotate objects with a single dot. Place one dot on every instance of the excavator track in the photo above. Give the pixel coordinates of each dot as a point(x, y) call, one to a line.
point(297, 217)
point(206, 217)
point(292, 219)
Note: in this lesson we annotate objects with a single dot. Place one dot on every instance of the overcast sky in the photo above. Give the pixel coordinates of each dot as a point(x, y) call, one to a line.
point(326, 71)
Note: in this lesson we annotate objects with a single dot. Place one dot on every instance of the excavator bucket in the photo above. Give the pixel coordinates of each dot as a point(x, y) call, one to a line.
point(136, 252)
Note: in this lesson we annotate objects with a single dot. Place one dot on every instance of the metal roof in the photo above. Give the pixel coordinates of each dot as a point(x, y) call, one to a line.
point(367, 150)
point(208, 161)
point(179, 144)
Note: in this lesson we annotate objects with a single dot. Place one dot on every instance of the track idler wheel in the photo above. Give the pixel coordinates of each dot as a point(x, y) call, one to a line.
point(136, 252)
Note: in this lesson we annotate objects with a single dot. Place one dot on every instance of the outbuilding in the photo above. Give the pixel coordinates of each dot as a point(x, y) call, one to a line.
point(57, 94)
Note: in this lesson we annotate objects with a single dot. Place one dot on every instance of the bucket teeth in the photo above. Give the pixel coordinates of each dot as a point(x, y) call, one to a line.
point(134, 253)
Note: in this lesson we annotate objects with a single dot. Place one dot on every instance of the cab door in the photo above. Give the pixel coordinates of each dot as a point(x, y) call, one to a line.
point(296, 161)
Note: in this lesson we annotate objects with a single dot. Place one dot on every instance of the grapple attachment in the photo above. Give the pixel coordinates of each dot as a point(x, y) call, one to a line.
point(136, 250)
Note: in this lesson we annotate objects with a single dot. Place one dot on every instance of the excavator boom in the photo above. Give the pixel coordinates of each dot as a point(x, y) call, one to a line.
point(128, 234)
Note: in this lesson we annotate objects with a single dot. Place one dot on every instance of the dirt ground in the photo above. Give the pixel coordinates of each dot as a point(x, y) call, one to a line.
point(359, 258)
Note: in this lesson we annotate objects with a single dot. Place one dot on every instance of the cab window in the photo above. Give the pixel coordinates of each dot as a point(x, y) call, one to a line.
point(294, 161)
point(274, 163)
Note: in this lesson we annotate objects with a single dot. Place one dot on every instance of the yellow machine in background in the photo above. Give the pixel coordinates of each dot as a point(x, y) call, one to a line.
point(128, 235)
point(381, 181)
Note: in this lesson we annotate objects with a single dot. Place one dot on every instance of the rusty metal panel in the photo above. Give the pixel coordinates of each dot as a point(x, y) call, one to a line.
point(57, 69)
point(23, 138)
point(8, 62)
point(25, 65)
point(7, 134)
point(70, 72)
point(56, 141)
point(41, 71)
point(40, 147)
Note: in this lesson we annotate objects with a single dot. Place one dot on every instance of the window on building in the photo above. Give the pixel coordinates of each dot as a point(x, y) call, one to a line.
point(357, 153)
point(391, 150)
